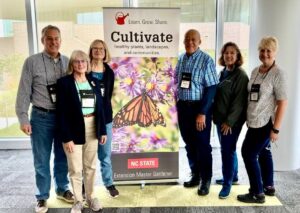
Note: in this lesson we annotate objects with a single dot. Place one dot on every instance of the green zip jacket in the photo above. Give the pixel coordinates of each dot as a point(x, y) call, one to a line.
point(230, 102)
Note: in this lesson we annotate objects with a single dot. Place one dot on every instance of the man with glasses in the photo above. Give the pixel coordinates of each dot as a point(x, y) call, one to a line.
point(38, 87)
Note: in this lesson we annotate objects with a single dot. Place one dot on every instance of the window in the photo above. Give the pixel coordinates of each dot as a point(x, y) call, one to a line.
point(237, 26)
point(13, 51)
point(80, 21)
point(199, 15)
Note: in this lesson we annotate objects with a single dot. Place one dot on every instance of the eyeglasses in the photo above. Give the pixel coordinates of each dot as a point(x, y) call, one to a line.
point(98, 48)
point(79, 61)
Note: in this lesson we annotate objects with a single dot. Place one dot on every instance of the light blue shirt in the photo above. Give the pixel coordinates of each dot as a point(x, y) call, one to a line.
point(84, 86)
point(203, 74)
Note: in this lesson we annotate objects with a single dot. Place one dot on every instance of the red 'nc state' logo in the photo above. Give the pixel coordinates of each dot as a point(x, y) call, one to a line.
point(120, 18)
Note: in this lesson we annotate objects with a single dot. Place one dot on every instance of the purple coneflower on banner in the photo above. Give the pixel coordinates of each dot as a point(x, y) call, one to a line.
point(173, 114)
point(156, 142)
point(119, 134)
point(153, 88)
point(131, 145)
point(123, 66)
point(168, 69)
point(131, 84)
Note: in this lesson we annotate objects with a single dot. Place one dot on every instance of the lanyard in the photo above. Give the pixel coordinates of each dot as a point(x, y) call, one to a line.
point(60, 68)
point(87, 97)
point(265, 74)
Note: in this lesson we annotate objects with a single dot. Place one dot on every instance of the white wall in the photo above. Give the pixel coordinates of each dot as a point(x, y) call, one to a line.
point(281, 19)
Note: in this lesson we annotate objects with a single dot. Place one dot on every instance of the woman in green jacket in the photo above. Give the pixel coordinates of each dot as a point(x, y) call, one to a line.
point(229, 113)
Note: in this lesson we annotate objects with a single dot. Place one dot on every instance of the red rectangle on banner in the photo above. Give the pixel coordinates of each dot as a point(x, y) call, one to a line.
point(143, 163)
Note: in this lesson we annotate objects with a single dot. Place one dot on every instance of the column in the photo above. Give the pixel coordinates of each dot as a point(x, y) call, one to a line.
point(281, 19)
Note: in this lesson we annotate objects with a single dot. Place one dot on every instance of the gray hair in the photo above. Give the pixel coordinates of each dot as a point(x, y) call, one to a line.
point(49, 27)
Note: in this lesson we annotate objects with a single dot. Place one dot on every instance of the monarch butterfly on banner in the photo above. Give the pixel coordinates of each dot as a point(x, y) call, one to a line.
point(141, 110)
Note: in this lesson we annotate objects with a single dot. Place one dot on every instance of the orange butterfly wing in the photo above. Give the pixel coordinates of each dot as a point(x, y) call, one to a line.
point(140, 110)
point(150, 113)
point(128, 115)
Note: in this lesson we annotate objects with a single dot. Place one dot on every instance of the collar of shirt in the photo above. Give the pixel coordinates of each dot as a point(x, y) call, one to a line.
point(50, 57)
point(194, 55)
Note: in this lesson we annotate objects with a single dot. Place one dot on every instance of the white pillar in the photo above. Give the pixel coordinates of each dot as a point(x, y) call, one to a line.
point(281, 19)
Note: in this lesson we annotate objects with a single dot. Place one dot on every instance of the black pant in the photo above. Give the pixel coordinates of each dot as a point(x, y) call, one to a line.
point(198, 146)
point(258, 158)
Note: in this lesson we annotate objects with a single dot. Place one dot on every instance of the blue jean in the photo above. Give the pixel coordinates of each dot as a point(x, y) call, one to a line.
point(104, 156)
point(44, 135)
point(258, 158)
point(197, 143)
point(228, 153)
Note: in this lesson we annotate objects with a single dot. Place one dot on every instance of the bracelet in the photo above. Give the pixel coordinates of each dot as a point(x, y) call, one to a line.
point(276, 131)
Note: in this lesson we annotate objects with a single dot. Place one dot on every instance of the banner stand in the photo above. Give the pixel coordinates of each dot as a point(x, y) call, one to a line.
point(143, 44)
point(144, 182)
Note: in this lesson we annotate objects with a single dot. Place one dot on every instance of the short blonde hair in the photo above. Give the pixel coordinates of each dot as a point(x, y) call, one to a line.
point(78, 54)
point(268, 42)
point(107, 57)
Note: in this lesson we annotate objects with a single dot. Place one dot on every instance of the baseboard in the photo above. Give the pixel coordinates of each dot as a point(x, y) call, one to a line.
point(15, 143)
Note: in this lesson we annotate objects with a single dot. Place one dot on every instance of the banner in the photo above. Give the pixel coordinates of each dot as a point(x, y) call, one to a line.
point(143, 43)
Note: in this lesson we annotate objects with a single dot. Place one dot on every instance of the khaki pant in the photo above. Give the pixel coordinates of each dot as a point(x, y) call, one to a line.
point(83, 162)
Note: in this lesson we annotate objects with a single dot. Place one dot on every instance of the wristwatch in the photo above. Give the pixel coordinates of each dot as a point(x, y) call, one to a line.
point(276, 131)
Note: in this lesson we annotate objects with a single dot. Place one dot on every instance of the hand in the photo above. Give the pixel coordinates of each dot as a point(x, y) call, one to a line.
point(200, 122)
point(225, 129)
point(69, 146)
point(273, 137)
point(103, 140)
point(26, 128)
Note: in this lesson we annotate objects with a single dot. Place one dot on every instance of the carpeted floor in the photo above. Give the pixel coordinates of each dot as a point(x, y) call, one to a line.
point(17, 189)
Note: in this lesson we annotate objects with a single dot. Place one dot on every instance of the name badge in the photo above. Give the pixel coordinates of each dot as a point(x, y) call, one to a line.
point(254, 92)
point(186, 79)
point(102, 88)
point(52, 92)
point(87, 98)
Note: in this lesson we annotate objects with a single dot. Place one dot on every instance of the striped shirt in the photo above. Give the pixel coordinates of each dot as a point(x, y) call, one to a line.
point(203, 74)
point(272, 88)
point(39, 70)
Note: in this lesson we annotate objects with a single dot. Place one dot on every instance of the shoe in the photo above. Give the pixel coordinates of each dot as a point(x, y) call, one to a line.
point(194, 181)
point(77, 207)
point(67, 197)
point(269, 190)
point(112, 191)
point(225, 191)
point(41, 206)
point(204, 188)
point(221, 181)
point(94, 204)
point(251, 198)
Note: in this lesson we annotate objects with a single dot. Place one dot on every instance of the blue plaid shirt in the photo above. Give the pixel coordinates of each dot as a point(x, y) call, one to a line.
point(203, 71)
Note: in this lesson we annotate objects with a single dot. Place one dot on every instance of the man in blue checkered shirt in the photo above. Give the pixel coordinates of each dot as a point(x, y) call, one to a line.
point(196, 79)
